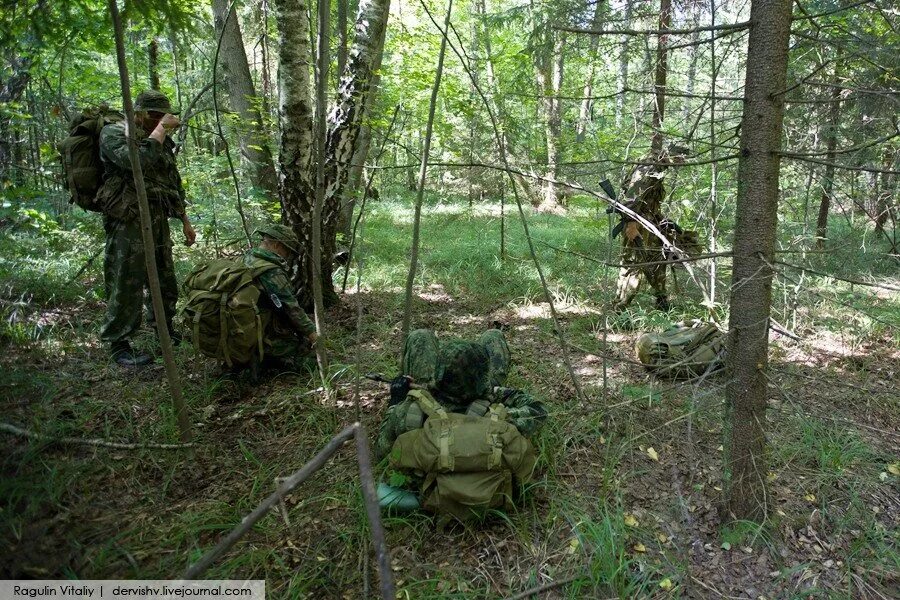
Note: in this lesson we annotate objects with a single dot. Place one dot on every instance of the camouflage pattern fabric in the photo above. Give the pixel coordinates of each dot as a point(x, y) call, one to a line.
point(639, 246)
point(117, 195)
point(422, 356)
point(125, 275)
point(280, 338)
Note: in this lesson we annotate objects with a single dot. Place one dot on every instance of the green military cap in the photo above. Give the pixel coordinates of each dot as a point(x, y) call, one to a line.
point(281, 233)
point(152, 100)
point(463, 370)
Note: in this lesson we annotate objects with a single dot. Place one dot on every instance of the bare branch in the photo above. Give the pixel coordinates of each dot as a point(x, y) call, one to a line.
point(637, 32)
point(12, 429)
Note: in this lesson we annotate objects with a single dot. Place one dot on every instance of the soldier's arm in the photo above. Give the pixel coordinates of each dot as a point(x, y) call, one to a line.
point(523, 410)
point(282, 297)
point(114, 148)
point(389, 430)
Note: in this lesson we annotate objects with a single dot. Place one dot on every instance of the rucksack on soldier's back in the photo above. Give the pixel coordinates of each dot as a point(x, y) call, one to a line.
point(221, 316)
point(80, 155)
point(683, 351)
point(470, 463)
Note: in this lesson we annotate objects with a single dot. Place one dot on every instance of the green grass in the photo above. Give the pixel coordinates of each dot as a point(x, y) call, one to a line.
point(166, 510)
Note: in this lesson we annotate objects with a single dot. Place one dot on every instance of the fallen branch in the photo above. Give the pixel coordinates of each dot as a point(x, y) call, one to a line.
point(13, 430)
point(287, 486)
point(535, 591)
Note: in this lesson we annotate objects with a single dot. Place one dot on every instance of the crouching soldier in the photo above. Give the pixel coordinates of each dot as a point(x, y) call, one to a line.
point(245, 312)
point(453, 427)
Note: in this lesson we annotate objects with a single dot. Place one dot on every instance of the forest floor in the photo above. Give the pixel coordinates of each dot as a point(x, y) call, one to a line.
point(626, 500)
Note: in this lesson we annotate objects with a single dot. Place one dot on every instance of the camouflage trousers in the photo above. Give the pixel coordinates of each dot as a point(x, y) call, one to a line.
point(421, 354)
point(125, 275)
point(638, 249)
point(280, 342)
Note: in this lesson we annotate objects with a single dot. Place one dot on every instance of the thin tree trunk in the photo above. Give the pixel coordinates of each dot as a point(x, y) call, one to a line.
point(153, 60)
point(584, 114)
point(549, 61)
point(242, 97)
point(322, 61)
point(342, 36)
point(295, 115)
point(713, 201)
point(883, 192)
point(754, 246)
point(423, 170)
point(162, 328)
point(659, 79)
point(695, 53)
point(834, 115)
point(623, 66)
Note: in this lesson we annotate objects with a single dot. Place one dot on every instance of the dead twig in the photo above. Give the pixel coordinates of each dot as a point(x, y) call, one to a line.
point(13, 430)
point(536, 591)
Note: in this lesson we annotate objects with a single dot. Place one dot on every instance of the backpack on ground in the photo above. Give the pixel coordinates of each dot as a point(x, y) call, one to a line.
point(683, 351)
point(470, 463)
point(80, 154)
point(221, 316)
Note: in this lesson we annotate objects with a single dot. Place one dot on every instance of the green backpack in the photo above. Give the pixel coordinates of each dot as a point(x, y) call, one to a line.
point(221, 316)
point(684, 351)
point(80, 155)
point(469, 462)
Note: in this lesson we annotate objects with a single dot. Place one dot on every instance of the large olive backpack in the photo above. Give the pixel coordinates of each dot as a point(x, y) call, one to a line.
point(80, 155)
point(683, 351)
point(221, 316)
point(469, 463)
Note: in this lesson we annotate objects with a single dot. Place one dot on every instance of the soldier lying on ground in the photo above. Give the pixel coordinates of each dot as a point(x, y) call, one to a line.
point(458, 404)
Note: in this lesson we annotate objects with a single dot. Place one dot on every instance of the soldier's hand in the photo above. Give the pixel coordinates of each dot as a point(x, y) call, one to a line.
point(190, 236)
point(400, 387)
point(170, 123)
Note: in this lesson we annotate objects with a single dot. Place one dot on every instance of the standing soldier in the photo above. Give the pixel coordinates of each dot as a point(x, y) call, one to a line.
point(125, 271)
point(644, 193)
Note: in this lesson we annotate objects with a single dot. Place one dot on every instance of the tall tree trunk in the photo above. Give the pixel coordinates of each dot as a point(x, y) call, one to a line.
point(623, 66)
point(834, 115)
point(584, 114)
point(553, 123)
point(363, 143)
point(345, 121)
point(295, 113)
point(242, 97)
point(692, 66)
point(659, 78)
point(11, 90)
point(754, 246)
point(341, 26)
point(883, 191)
point(153, 60)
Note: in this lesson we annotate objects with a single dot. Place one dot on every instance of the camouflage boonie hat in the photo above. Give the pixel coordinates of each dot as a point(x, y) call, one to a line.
point(281, 233)
point(153, 101)
point(463, 371)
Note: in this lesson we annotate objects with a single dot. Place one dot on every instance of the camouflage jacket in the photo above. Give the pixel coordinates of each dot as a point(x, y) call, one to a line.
point(278, 291)
point(523, 411)
point(117, 194)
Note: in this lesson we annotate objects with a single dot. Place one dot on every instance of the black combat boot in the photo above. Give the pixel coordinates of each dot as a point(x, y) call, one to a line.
point(125, 355)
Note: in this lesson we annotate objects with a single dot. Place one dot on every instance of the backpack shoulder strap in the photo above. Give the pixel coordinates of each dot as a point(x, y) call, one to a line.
point(427, 403)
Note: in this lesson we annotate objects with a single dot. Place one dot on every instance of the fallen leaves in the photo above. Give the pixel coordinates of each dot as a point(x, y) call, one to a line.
point(631, 520)
point(666, 584)
point(652, 454)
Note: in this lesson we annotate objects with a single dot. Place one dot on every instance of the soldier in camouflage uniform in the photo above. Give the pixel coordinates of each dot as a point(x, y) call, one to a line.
point(465, 377)
point(644, 193)
point(125, 273)
point(290, 333)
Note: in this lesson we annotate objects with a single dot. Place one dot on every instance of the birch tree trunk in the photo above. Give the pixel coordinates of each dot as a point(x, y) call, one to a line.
point(242, 97)
point(584, 113)
point(549, 61)
point(295, 113)
point(345, 120)
point(754, 246)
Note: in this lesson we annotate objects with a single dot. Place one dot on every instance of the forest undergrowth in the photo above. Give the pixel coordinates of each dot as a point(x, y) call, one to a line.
point(626, 500)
